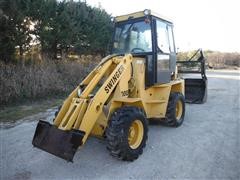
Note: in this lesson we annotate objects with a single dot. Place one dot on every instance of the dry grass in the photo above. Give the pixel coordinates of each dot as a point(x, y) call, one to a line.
point(216, 60)
point(31, 79)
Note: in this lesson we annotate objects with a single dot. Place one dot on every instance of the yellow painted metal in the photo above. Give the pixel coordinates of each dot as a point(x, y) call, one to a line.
point(135, 134)
point(93, 73)
point(177, 85)
point(127, 100)
point(116, 82)
point(140, 14)
point(127, 16)
point(81, 114)
point(88, 80)
point(99, 73)
point(123, 80)
point(75, 108)
point(100, 125)
point(96, 104)
point(153, 100)
point(179, 109)
point(71, 115)
point(65, 107)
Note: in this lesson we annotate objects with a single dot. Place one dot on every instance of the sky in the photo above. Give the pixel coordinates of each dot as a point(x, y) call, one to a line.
point(206, 24)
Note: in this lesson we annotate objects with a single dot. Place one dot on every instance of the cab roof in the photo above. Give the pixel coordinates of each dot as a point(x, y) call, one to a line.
point(146, 12)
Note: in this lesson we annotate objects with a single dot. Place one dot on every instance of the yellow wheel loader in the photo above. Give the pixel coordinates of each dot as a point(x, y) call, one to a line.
point(135, 84)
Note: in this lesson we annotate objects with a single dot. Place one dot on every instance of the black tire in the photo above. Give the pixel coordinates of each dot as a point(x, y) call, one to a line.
point(118, 129)
point(171, 117)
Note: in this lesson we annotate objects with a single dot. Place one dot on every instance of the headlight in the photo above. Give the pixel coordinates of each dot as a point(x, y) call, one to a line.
point(113, 19)
point(147, 12)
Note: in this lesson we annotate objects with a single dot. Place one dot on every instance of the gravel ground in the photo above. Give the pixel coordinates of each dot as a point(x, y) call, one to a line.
point(206, 146)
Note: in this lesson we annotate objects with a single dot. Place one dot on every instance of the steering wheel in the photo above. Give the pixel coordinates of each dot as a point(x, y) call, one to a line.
point(137, 49)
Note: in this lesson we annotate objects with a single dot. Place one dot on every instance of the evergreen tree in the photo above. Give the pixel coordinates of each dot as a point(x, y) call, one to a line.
point(58, 26)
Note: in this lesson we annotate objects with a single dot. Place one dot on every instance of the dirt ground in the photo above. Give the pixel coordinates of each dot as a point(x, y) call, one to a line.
point(206, 146)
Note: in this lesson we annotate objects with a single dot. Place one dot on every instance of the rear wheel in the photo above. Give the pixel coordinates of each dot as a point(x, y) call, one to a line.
point(175, 110)
point(127, 133)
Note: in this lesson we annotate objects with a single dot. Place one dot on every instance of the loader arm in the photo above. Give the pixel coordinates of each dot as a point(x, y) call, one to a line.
point(96, 105)
point(81, 110)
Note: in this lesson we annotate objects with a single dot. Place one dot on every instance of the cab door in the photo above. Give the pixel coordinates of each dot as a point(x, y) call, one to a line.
point(165, 51)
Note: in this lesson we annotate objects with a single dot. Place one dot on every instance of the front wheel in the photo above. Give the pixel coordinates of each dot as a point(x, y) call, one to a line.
point(127, 133)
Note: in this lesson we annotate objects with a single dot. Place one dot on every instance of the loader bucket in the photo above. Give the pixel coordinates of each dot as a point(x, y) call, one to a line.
point(195, 91)
point(195, 88)
point(60, 143)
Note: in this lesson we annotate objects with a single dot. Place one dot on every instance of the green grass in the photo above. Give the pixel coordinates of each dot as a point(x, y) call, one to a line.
point(13, 113)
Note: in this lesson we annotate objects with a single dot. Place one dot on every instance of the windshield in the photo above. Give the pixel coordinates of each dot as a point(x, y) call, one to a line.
point(133, 38)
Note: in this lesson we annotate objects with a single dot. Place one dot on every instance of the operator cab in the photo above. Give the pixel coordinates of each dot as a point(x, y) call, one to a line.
point(146, 34)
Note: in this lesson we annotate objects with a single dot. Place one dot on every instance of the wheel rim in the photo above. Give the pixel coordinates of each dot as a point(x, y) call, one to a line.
point(179, 110)
point(135, 134)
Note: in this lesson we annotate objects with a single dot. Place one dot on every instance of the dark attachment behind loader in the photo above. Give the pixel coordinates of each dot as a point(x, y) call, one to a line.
point(195, 88)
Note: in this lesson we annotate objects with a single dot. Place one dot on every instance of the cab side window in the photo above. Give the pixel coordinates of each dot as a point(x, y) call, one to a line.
point(163, 47)
point(162, 37)
point(171, 40)
point(165, 51)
